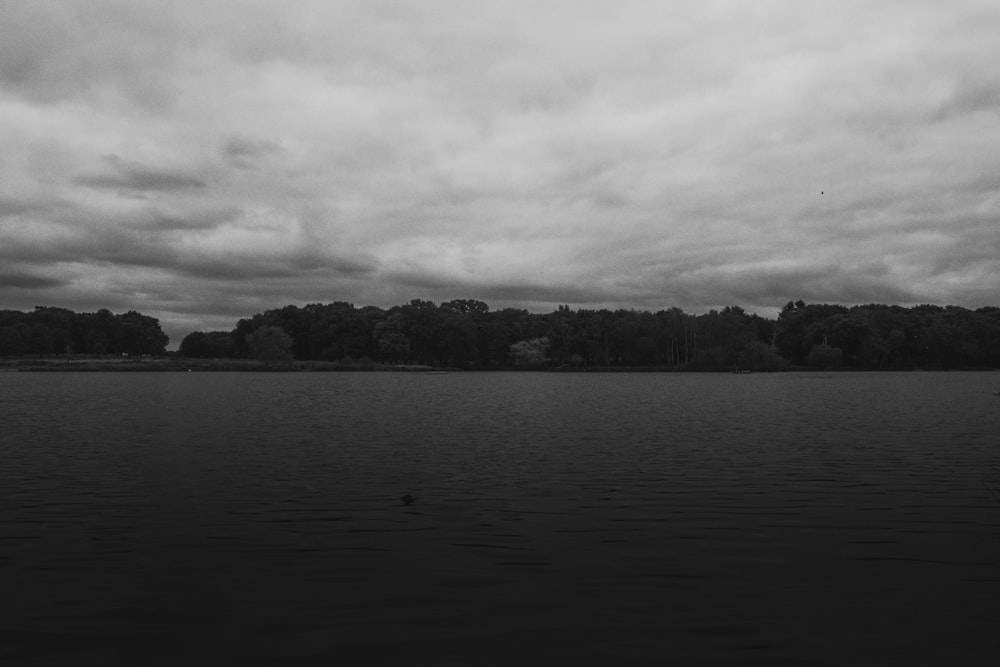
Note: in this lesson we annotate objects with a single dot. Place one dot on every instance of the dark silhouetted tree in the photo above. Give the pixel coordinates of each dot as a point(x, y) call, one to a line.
point(826, 356)
point(759, 356)
point(270, 344)
point(210, 345)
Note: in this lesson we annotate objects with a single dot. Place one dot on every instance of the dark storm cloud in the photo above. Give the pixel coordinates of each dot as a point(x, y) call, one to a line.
point(157, 221)
point(548, 294)
point(85, 243)
point(124, 175)
point(27, 281)
point(263, 268)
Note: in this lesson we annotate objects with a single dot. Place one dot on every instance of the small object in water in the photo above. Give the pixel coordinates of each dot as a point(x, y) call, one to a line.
point(407, 499)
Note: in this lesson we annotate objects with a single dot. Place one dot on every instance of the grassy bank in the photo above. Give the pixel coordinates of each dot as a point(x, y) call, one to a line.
point(183, 365)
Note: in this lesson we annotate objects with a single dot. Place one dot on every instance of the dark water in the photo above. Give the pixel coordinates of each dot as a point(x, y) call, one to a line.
point(794, 519)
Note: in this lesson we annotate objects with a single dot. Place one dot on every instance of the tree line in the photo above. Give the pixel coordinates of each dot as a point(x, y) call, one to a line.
point(466, 333)
point(47, 331)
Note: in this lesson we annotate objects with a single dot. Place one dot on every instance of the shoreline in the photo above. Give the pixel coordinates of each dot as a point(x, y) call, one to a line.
point(185, 365)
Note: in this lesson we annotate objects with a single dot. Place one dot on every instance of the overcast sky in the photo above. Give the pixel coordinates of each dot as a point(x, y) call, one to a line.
point(202, 161)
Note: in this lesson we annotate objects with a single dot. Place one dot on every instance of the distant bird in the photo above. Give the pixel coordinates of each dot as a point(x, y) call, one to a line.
point(821, 192)
point(407, 499)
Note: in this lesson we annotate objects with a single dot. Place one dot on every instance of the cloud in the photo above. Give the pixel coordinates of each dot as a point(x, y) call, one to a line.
point(10, 207)
point(247, 152)
point(124, 175)
point(266, 268)
point(620, 154)
point(27, 281)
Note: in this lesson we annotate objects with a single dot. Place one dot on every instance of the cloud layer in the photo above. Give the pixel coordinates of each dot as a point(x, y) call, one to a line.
point(202, 161)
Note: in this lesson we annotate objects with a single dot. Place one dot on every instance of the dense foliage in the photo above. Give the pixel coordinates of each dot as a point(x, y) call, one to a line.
point(46, 331)
point(465, 333)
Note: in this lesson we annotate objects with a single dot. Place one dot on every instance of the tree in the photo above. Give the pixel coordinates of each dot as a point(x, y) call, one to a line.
point(793, 323)
point(466, 333)
point(212, 344)
point(141, 334)
point(472, 307)
point(758, 356)
point(393, 345)
point(10, 341)
point(825, 356)
point(270, 344)
point(532, 352)
point(420, 321)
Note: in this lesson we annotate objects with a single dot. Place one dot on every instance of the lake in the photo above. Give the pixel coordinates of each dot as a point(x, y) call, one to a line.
point(256, 518)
